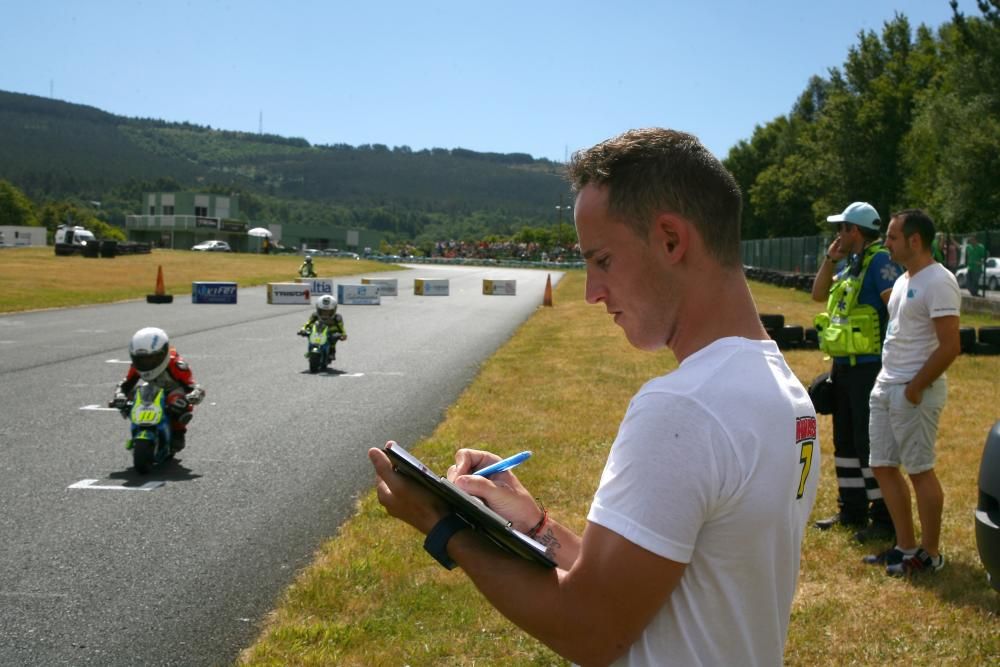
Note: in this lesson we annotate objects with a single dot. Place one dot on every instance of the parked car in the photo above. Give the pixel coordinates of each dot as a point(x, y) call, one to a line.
point(212, 246)
point(990, 278)
point(347, 253)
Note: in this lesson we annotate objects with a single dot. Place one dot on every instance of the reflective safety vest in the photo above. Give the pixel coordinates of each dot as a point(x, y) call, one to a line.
point(849, 328)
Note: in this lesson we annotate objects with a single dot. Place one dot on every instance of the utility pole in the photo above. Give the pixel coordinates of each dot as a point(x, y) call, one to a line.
point(560, 209)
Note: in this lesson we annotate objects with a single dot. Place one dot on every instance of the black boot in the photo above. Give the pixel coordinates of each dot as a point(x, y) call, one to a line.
point(841, 519)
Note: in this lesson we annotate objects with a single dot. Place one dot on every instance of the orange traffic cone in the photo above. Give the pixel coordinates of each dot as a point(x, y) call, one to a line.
point(547, 299)
point(159, 281)
point(159, 295)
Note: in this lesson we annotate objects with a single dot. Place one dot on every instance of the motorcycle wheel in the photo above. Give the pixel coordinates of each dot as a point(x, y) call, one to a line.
point(142, 455)
point(314, 363)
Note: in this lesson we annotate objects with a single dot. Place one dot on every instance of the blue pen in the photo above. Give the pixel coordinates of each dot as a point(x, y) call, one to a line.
point(506, 464)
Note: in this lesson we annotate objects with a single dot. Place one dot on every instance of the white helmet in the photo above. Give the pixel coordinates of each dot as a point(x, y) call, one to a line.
point(326, 306)
point(150, 352)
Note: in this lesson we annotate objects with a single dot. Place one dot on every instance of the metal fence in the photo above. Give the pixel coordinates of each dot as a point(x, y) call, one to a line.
point(802, 254)
point(794, 254)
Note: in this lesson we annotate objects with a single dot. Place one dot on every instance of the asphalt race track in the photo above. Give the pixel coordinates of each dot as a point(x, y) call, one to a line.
point(99, 567)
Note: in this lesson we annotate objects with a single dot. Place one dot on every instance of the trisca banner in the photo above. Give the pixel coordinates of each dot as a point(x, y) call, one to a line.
point(288, 293)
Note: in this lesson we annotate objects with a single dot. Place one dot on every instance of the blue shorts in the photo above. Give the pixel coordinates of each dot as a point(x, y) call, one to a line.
point(902, 433)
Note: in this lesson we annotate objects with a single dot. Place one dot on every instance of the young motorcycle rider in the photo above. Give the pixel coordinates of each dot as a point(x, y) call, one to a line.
point(306, 269)
point(326, 312)
point(159, 364)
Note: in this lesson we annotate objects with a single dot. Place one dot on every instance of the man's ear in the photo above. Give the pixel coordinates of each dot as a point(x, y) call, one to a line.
point(671, 234)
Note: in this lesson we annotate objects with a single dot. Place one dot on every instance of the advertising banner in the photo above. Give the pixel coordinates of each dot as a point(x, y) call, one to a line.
point(386, 286)
point(358, 295)
point(213, 292)
point(318, 286)
point(430, 287)
point(500, 287)
point(296, 294)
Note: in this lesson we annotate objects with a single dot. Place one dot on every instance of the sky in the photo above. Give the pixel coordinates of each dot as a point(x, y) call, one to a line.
point(542, 77)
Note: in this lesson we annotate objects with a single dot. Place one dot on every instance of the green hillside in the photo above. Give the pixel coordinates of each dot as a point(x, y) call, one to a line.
point(57, 150)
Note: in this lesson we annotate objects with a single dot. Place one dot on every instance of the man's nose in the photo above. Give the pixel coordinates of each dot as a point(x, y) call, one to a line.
point(596, 291)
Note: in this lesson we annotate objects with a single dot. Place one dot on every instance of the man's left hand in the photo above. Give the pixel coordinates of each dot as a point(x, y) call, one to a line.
point(403, 498)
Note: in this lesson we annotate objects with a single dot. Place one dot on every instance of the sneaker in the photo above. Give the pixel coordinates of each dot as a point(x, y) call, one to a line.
point(893, 556)
point(840, 519)
point(917, 563)
point(877, 532)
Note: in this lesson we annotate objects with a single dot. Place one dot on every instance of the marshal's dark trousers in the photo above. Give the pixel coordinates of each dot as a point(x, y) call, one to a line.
point(858, 494)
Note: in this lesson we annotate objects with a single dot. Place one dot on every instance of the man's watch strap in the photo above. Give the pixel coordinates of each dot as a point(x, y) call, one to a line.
point(436, 542)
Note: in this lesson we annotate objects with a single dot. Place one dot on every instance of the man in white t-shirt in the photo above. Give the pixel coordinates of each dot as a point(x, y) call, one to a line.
point(921, 342)
point(691, 550)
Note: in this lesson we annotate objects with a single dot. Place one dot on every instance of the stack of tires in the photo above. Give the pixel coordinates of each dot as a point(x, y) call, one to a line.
point(986, 343)
point(789, 337)
point(799, 281)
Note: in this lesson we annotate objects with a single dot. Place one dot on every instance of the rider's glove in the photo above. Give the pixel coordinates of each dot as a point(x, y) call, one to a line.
point(195, 396)
point(302, 332)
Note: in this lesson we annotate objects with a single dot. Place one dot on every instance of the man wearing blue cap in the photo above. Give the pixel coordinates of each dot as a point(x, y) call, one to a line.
point(851, 331)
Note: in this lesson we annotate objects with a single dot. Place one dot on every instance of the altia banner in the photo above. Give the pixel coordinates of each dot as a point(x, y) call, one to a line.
point(319, 286)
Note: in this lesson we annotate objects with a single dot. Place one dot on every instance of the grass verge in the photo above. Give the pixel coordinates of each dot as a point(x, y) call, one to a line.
point(32, 278)
point(560, 387)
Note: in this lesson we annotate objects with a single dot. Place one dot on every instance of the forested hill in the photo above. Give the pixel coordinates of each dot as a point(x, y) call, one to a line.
point(52, 149)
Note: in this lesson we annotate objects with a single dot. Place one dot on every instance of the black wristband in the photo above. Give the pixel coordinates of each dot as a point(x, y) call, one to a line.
point(436, 542)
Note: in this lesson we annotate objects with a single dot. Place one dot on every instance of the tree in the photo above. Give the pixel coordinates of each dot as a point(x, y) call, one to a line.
point(15, 207)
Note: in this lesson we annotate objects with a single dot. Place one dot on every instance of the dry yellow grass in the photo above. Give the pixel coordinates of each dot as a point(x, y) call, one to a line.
point(32, 278)
point(560, 387)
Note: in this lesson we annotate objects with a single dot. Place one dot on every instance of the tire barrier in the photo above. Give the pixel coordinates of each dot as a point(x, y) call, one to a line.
point(988, 343)
point(989, 335)
point(107, 248)
point(159, 294)
point(772, 321)
point(967, 338)
point(799, 281)
point(788, 336)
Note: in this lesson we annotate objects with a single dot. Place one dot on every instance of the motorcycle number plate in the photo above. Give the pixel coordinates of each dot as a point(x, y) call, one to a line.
point(147, 414)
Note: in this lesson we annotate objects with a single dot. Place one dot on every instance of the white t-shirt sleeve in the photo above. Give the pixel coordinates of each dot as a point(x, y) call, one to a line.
point(659, 484)
point(943, 298)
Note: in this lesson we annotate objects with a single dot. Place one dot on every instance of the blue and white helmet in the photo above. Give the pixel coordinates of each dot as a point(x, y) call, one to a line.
point(150, 352)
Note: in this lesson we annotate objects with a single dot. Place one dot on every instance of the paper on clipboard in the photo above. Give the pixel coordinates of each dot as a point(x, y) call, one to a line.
point(472, 509)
